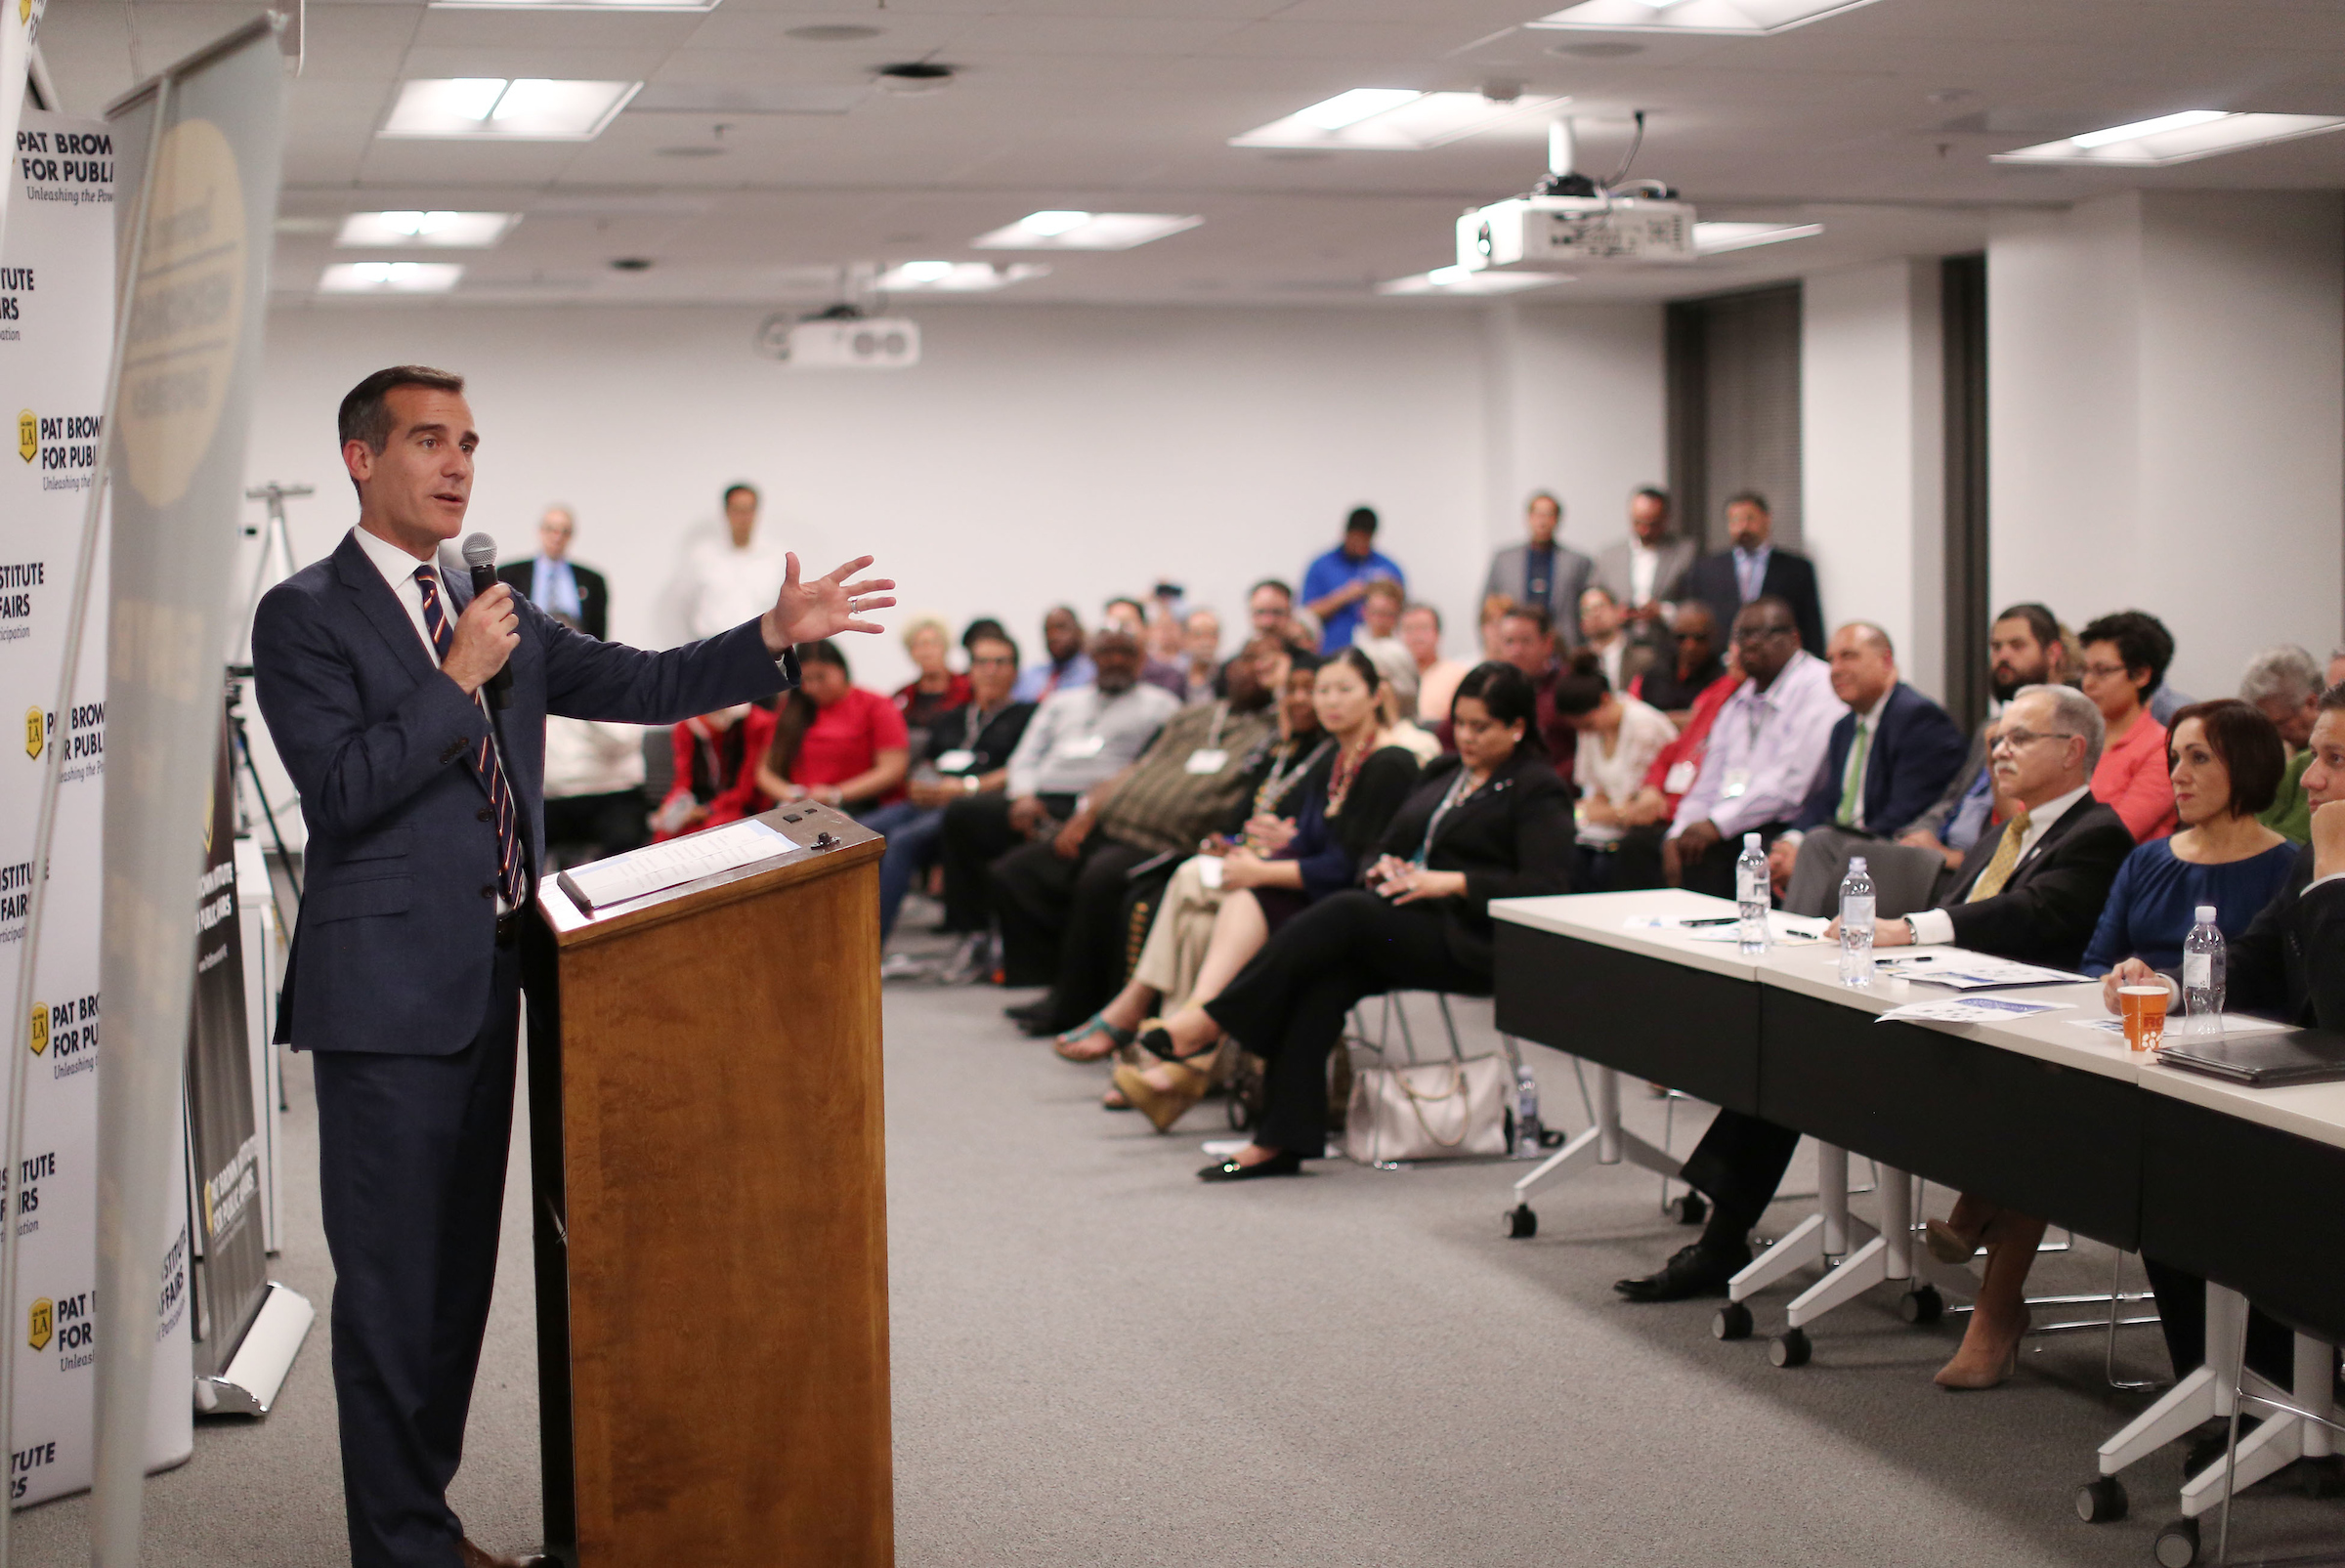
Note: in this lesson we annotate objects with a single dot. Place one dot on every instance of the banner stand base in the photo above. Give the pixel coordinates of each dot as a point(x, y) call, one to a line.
point(257, 1370)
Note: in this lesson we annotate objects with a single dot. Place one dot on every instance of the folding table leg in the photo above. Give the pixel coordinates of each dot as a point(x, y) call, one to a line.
point(2285, 1436)
point(1888, 1256)
point(1605, 1143)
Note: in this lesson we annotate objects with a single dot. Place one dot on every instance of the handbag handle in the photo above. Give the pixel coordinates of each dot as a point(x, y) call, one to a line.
point(1457, 1088)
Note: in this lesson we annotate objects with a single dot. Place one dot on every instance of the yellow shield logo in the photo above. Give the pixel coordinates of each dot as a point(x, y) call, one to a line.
point(37, 731)
point(44, 1323)
point(29, 435)
point(40, 1026)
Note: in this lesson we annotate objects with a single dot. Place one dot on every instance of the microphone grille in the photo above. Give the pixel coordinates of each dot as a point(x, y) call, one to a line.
point(480, 550)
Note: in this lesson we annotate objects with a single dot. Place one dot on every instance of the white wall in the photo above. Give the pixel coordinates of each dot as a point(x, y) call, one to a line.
point(1036, 455)
point(1873, 454)
point(2166, 413)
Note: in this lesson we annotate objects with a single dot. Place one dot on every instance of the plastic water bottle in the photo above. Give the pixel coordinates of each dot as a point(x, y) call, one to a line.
point(1752, 895)
point(1857, 925)
point(1526, 1114)
point(2203, 969)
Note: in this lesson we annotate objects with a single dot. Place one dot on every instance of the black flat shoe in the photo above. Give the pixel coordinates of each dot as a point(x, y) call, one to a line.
point(1692, 1271)
point(1285, 1162)
point(1028, 1012)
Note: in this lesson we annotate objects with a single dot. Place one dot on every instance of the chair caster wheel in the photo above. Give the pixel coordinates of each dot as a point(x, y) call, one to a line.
point(2101, 1502)
point(1734, 1322)
point(1521, 1223)
point(1922, 1306)
point(1790, 1348)
point(2177, 1544)
point(1690, 1209)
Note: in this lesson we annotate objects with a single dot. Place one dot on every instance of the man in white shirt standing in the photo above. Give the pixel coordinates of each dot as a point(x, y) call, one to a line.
point(728, 578)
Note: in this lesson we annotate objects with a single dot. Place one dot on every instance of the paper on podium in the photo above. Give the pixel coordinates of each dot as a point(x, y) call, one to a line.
point(654, 869)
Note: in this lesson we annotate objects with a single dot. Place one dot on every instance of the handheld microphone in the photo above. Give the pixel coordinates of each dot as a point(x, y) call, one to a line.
point(480, 554)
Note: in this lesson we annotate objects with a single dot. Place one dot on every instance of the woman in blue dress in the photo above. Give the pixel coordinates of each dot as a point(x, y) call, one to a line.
point(2224, 760)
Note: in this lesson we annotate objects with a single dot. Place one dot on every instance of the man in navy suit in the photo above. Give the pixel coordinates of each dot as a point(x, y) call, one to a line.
point(1889, 757)
point(1755, 568)
point(425, 836)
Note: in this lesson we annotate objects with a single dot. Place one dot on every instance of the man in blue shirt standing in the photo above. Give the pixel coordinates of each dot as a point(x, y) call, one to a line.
point(556, 584)
point(1336, 583)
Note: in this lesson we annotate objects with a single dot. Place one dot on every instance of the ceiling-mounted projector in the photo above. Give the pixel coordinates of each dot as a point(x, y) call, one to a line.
point(842, 338)
point(1570, 222)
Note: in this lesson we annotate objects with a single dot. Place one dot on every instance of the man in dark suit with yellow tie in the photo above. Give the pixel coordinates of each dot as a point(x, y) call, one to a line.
point(426, 834)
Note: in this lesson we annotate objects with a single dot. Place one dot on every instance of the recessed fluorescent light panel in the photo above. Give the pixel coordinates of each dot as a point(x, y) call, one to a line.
point(1392, 119)
point(2173, 139)
point(955, 278)
point(1710, 238)
point(438, 231)
point(389, 277)
point(1459, 280)
point(1746, 17)
point(1060, 230)
point(528, 108)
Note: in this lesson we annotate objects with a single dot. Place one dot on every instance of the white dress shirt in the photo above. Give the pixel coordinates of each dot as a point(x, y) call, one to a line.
point(1937, 926)
point(726, 586)
point(1765, 749)
point(1644, 565)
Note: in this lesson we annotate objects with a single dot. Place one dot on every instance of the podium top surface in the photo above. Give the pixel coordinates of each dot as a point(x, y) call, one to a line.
point(831, 840)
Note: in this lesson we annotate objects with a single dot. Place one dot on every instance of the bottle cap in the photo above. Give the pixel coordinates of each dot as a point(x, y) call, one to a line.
point(1750, 841)
point(1856, 863)
point(2207, 914)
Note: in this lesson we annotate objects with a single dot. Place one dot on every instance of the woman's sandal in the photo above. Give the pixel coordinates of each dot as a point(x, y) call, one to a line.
point(1193, 1076)
point(1097, 1024)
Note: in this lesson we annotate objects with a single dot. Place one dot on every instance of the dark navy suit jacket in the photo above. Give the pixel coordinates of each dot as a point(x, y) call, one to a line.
point(396, 944)
point(1914, 751)
point(1789, 577)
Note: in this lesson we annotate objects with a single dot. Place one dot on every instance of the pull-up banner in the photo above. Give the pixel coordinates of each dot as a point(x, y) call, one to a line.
point(20, 26)
point(199, 147)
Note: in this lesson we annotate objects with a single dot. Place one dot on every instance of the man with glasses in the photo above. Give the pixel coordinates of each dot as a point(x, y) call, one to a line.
point(2031, 889)
point(2023, 648)
point(1766, 749)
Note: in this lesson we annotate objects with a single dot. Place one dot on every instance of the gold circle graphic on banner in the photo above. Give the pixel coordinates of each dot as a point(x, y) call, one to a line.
point(29, 435)
point(40, 1026)
point(184, 316)
point(37, 731)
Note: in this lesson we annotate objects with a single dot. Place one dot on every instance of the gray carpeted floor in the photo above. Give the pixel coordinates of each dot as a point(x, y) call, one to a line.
point(1100, 1361)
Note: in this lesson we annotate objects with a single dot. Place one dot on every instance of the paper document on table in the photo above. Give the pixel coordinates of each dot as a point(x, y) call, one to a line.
point(2179, 1028)
point(1975, 971)
point(659, 866)
point(1969, 1010)
point(1782, 927)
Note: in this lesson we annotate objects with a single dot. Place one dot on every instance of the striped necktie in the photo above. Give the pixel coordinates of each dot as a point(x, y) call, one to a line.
point(510, 880)
point(2003, 861)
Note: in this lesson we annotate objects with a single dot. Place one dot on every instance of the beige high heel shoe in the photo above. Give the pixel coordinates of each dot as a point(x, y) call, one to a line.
point(1193, 1076)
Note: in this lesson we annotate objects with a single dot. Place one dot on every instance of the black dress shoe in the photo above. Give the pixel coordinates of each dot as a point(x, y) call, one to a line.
point(1028, 1012)
point(1690, 1271)
point(1285, 1162)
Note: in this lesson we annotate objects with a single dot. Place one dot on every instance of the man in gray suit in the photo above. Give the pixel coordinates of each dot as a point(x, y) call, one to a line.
point(1543, 574)
point(1644, 570)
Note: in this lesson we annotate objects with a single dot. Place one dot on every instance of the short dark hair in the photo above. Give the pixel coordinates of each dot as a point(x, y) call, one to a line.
point(1610, 597)
point(1580, 689)
point(1550, 497)
point(1650, 493)
point(366, 412)
point(2141, 640)
point(2332, 701)
point(740, 486)
point(1361, 665)
point(2042, 624)
point(1127, 599)
point(2248, 745)
point(990, 632)
point(1507, 694)
point(1361, 520)
point(1749, 498)
point(1536, 614)
point(1285, 592)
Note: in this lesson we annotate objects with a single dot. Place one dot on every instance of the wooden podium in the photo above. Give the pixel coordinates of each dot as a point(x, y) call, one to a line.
point(711, 1226)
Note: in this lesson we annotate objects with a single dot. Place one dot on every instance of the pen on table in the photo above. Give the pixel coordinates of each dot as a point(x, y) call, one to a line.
point(1919, 957)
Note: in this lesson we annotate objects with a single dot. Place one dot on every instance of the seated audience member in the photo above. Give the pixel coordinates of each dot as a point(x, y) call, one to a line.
point(983, 626)
point(1543, 572)
point(1672, 685)
point(2335, 675)
point(1055, 899)
point(1065, 665)
point(1132, 617)
point(1347, 803)
point(1396, 698)
point(1890, 755)
point(1335, 584)
point(1200, 656)
point(1380, 612)
point(937, 690)
point(1492, 630)
point(1649, 812)
point(2226, 761)
point(2030, 890)
point(967, 754)
point(1527, 640)
point(1756, 568)
point(1616, 739)
point(716, 770)
point(594, 801)
point(2124, 661)
point(2289, 965)
point(1168, 631)
point(834, 742)
point(1766, 749)
point(2023, 648)
point(1603, 627)
point(1494, 821)
point(1077, 740)
point(1436, 677)
point(1270, 611)
point(2283, 685)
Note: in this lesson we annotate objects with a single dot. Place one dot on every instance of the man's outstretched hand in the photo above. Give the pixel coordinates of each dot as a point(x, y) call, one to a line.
point(809, 611)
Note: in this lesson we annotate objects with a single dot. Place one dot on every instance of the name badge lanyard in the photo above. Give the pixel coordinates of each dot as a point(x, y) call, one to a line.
point(1459, 789)
point(1275, 786)
point(1210, 758)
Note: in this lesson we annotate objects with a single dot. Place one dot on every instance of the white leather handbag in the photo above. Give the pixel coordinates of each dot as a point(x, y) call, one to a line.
point(1429, 1111)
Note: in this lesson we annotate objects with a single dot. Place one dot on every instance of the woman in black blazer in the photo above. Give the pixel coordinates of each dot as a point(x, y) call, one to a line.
point(1493, 822)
